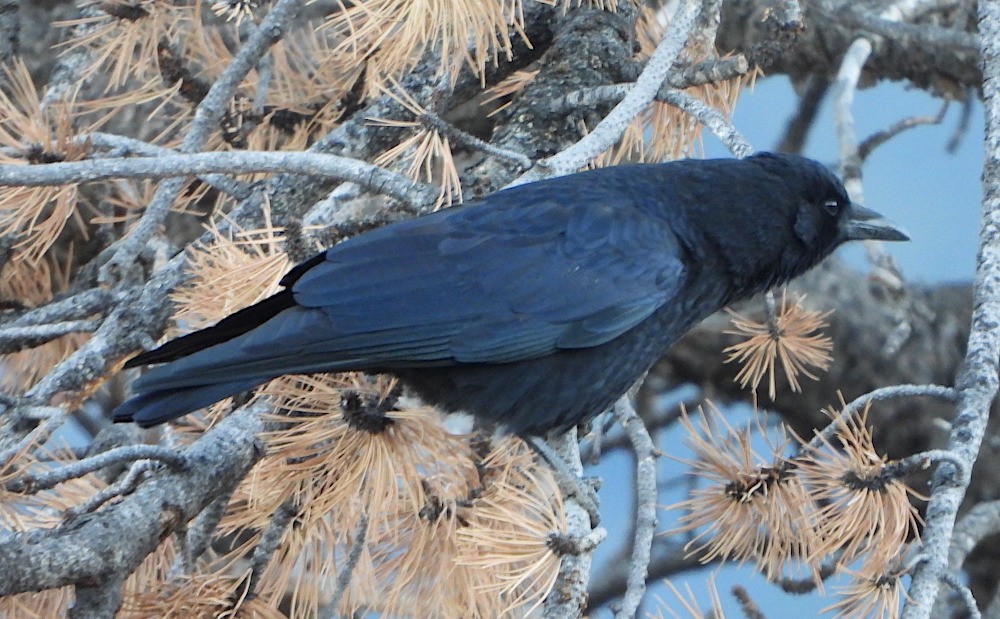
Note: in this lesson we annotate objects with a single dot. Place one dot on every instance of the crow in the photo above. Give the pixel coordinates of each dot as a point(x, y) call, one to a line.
point(534, 308)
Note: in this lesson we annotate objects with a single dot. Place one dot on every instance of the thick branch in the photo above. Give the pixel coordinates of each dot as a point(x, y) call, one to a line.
point(114, 541)
point(977, 383)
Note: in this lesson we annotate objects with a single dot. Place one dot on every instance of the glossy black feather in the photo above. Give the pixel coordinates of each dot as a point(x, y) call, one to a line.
point(535, 307)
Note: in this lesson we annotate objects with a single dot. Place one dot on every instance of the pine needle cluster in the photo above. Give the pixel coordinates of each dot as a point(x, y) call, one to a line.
point(837, 505)
point(31, 133)
point(426, 154)
point(792, 338)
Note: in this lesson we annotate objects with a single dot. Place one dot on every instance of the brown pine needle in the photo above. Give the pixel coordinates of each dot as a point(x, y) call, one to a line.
point(751, 508)
point(233, 271)
point(392, 35)
point(320, 455)
point(197, 596)
point(125, 35)
point(509, 527)
point(35, 216)
point(308, 80)
point(510, 86)
point(689, 603)
point(878, 595)
point(426, 153)
point(793, 341)
point(382, 463)
point(863, 513)
point(37, 605)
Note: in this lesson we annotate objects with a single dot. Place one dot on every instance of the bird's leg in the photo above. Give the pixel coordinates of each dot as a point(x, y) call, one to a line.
point(583, 489)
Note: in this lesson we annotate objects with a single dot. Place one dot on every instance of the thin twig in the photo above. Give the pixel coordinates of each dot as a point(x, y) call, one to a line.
point(843, 98)
point(646, 492)
point(432, 120)
point(964, 593)
point(36, 436)
point(981, 522)
point(771, 314)
point(265, 72)
point(14, 339)
point(893, 391)
point(32, 483)
point(705, 114)
point(748, 607)
point(923, 460)
point(269, 542)
point(702, 73)
point(128, 483)
point(711, 118)
point(199, 532)
point(76, 307)
point(123, 146)
point(347, 571)
point(964, 120)
point(850, 158)
point(797, 129)
point(101, 598)
point(924, 35)
point(801, 586)
point(881, 137)
point(570, 484)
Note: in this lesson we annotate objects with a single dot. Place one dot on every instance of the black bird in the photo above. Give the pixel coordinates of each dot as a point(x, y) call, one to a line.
point(536, 307)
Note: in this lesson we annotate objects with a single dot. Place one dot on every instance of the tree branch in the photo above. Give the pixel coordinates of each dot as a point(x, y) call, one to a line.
point(363, 173)
point(977, 382)
point(646, 495)
point(95, 548)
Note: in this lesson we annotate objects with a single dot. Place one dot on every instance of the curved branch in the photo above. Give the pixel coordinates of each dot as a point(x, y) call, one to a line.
point(230, 162)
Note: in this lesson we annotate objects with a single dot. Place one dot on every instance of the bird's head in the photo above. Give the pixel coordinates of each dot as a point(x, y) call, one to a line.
point(824, 215)
point(807, 215)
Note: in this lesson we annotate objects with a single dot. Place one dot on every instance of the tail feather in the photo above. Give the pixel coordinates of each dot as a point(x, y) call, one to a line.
point(228, 328)
point(155, 407)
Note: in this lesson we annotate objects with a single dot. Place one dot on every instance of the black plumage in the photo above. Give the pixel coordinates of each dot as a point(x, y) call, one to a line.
point(535, 307)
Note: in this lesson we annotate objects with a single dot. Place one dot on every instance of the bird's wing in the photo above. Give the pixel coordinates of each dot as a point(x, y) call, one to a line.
point(495, 283)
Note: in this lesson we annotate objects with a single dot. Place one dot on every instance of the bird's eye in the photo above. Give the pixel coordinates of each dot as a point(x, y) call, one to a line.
point(832, 206)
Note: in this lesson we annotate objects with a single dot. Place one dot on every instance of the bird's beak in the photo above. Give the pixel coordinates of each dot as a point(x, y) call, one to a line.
point(865, 224)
